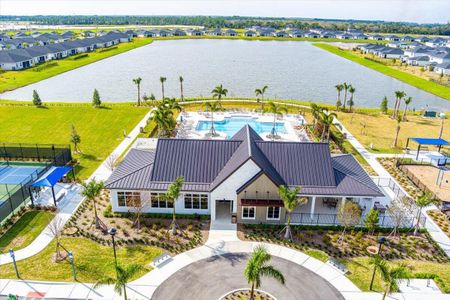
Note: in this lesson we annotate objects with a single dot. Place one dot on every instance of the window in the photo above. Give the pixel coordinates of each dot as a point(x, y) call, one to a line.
point(158, 201)
point(195, 201)
point(273, 213)
point(248, 212)
point(128, 198)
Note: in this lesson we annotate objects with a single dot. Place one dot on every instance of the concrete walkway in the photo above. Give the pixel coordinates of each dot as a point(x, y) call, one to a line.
point(70, 204)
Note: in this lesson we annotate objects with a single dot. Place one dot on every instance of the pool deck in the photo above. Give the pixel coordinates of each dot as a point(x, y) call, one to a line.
point(294, 124)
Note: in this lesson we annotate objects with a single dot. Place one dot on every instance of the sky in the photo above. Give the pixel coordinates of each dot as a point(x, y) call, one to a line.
point(420, 11)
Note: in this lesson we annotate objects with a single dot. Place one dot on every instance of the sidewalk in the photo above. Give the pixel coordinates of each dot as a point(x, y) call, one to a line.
point(70, 205)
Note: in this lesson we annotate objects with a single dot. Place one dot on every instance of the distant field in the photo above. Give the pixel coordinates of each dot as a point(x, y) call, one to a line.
point(101, 129)
point(429, 86)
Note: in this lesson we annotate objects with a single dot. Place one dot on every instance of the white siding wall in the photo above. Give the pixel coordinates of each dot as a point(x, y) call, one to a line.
point(227, 190)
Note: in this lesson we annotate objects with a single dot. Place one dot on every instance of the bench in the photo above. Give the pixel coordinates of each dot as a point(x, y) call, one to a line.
point(160, 259)
point(337, 265)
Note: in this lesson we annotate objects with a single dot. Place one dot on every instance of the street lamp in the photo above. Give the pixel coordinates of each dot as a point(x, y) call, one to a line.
point(72, 265)
point(381, 241)
point(11, 253)
point(112, 231)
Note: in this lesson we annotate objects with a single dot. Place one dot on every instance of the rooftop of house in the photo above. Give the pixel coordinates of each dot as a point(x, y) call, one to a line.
point(205, 164)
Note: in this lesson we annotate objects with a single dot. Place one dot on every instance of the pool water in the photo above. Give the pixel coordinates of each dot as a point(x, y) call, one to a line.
point(230, 126)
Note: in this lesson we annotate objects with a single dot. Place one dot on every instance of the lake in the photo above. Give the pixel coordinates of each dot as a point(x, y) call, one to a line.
point(292, 70)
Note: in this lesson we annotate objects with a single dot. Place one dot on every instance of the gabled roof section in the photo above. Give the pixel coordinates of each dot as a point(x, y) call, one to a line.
point(134, 172)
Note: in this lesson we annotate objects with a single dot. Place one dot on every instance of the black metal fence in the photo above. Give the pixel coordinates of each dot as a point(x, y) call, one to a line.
point(59, 154)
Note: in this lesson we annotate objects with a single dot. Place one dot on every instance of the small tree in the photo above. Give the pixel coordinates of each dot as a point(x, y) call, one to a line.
point(137, 82)
point(91, 190)
point(75, 139)
point(162, 80)
point(261, 92)
point(111, 162)
point(36, 99)
point(213, 107)
point(384, 105)
point(351, 103)
point(171, 196)
point(123, 276)
point(423, 201)
point(407, 102)
point(139, 205)
point(96, 102)
point(218, 92)
point(397, 131)
point(181, 87)
point(349, 215)
point(371, 220)
point(290, 202)
point(257, 267)
point(55, 229)
point(399, 211)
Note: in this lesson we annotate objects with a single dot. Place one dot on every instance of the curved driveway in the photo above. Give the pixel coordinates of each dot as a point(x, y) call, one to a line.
point(210, 278)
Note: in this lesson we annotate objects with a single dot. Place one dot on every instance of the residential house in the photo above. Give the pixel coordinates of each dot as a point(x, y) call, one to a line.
point(131, 33)
point(164, 33)
point(250, 33)
point(311, 34)
point(14, 60)
point(88, 33)
point(12, 43)
point(35, 34)
point(241, 176)
point(436, 42)
point(388, 52)
point(422, 39)
point(20, 35)
point(376, 37)
point(439, 57)
point(230, 32)
point(146, 33)
point(407, 38)
point(392, 38)
point(344, 36)
point(266, 33)
point(179, 32)
point(216, 32)
point(418, 51)
point(4, 37)
point(418, 60)
point(360, 36)
point(282, 34)
point(296, 33)
point(194, 32)
point(443, 68)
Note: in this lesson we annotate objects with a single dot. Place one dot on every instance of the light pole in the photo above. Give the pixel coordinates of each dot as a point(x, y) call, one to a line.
point(112, 231)
point(72, 265)
point(381, 242)
point(11, 253)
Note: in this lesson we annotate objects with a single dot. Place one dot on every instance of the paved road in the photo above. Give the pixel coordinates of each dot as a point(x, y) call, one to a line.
point(210, 278)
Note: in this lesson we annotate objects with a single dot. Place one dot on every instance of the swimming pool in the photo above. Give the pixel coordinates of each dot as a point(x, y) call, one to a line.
point(230, 126)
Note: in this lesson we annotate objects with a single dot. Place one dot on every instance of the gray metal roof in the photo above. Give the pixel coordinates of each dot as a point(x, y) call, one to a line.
point(205, 164)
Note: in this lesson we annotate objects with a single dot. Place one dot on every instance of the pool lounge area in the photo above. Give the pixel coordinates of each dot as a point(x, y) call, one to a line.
point(197, 125)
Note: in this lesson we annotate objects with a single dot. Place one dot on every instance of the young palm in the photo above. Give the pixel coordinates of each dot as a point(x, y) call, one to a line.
point(315, 111)
point(378, 264)
point(137, 82)
point(164, 120)
point(213, 107)
point(91, 190)
point(391, 276)
point(326, 119)
point(397, 131)
point(171, 196)
point(218, 92)
point(399, 95)
point(352, 91)
point(423, 201)
point(407, 102)
point(123, 276)
point(339, 88)
point(261, 92)
point(172, 104)
point(181, 87)
point(257, 267)
point(290, 202)
point(162, 80)
point(275, 110)
point(345, 86)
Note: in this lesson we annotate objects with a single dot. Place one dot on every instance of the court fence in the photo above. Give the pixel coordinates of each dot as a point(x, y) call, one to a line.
point(59, 154)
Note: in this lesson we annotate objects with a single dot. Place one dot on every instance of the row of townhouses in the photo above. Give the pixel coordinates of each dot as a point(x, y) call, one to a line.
point(32, 54)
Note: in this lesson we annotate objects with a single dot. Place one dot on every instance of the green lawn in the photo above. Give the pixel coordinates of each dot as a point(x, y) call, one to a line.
point(100, 129)
point(92, 261)
point(11, 80)
point(429, 86)
point(25, 230)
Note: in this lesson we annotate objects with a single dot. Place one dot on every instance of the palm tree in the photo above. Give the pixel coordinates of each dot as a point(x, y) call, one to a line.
point(181, 87)
point(123, 276)
point(257, 267)
point(137, 82)
point(276, 110)
point(315, 111)
point(164, 119)
point(423, 201)
point(172, 104)
point(171, 196)
point(213, 107)
point(378, 263)
point(218, 92)
point(162, 80)
point(261, 92)
point(91, 190)
point(345, 86)
point(398, 97)
point(397, 131)
point(352, 91)
point(290, 202)
point(407, 102)
point(391, 276)
point(326, 119)
point(339, 88)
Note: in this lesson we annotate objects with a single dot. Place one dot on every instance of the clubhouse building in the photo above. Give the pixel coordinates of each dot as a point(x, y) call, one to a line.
point(240, 176)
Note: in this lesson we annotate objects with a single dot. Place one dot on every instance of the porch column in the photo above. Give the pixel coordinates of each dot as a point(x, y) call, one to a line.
point(313, 205)
point(343, 201)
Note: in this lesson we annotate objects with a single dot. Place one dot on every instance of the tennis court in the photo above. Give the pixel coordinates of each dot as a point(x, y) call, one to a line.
point(15, 173)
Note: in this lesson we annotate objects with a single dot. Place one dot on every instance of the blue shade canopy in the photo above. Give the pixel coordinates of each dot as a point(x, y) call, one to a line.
point(429, 141)
point(52, 176)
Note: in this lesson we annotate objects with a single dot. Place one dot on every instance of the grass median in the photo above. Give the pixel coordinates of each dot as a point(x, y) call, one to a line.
point(426, 85)
point(100, 129)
